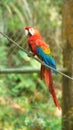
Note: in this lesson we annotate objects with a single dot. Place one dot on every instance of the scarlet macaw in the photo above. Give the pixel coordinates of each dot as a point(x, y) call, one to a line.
point(42, 50)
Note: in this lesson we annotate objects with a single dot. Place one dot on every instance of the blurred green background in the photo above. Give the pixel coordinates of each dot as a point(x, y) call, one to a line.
point(25, 103)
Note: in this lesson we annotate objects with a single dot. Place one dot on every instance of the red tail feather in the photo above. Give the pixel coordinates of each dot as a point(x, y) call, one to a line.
point(47, 75)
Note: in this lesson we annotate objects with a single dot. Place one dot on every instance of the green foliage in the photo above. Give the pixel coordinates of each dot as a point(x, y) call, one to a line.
point(26, 116)
point(25, 103)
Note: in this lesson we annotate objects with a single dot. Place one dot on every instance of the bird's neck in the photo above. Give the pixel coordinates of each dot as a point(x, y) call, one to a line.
point(34, 36)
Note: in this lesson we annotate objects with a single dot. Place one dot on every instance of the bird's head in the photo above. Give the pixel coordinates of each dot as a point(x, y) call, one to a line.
point(30, 31)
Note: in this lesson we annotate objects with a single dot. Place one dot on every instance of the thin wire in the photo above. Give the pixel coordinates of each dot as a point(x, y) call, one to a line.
point(31, 55)
point(14, 42)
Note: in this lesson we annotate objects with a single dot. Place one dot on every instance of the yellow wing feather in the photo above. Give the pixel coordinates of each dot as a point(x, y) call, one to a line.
point(44, 46)
point(47, 51)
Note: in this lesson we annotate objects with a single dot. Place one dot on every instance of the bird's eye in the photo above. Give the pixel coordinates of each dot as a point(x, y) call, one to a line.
point(26, 32)
point(31, 31)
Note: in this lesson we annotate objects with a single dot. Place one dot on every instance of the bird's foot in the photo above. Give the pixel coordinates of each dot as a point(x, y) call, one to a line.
point(43, 63)
point(30, 54)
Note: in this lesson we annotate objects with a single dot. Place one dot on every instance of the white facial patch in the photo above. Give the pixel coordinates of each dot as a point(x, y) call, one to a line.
point(26, 32)
point(31, 30)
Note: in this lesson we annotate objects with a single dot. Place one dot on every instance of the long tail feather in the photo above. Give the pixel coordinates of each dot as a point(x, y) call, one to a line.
point(47, 75)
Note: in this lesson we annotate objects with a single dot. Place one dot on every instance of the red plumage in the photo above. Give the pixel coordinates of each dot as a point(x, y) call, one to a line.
point(46, 74)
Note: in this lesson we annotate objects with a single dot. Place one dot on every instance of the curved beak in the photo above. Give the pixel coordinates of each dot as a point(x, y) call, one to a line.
point(26, 32)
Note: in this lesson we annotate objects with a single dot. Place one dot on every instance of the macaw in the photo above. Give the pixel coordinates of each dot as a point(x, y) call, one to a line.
point(38, 46)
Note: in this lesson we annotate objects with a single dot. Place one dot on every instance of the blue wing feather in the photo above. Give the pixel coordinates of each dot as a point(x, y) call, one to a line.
point(49, 60)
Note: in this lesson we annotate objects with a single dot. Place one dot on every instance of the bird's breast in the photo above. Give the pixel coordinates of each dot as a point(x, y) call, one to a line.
point(32, 45)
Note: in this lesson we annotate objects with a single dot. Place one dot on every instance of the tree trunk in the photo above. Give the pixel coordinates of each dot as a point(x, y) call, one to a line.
point(67, 117)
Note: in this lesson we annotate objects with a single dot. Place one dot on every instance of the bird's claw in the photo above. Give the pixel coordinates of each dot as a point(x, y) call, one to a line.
point(30, 54)
point(43, 62)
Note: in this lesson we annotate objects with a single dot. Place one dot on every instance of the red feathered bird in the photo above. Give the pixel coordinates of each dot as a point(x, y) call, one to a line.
point(42, 50)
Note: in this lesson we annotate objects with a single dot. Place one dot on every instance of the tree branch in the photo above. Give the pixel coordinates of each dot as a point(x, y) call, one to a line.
point(31, 55)
point(22, 70)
